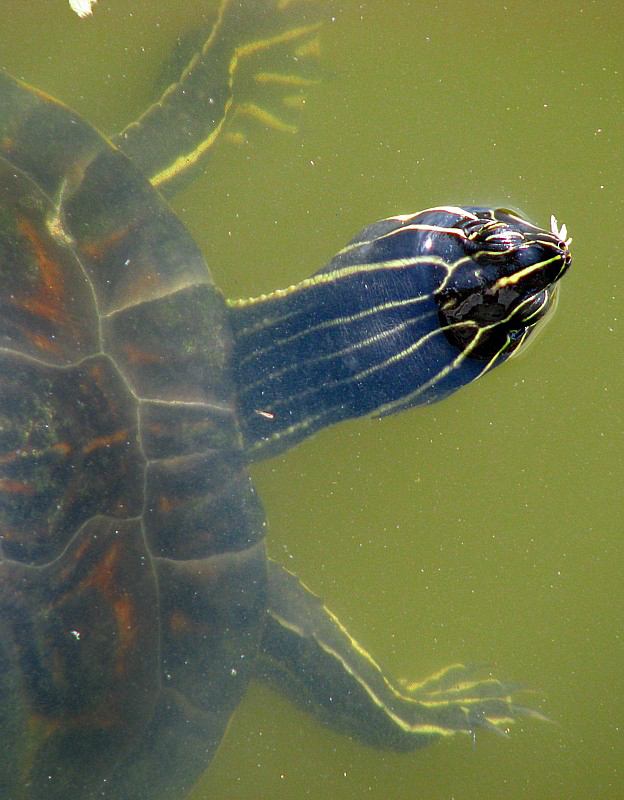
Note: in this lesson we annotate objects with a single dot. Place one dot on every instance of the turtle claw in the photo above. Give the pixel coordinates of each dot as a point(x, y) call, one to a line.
point(532, 713)
point(458, 701)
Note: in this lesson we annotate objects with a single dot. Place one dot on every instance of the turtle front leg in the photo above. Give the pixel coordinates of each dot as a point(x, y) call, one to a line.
point(307, 653)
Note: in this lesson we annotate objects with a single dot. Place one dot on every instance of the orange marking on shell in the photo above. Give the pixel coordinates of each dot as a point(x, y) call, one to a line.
point(43, 727)
point(8, 144)
point(81, 549)
point(140, 357)
point(124, 612)
point(103, 575)
point(107, 713)
point(144, 285)
point(99, 377)
point(50, 302)
point(179, 622)
point(64, 448)
point(105, 578)
point(97, 373)
point(143, 282)
point(16, 487)
point(98, 249)
point(42, 342)
point(166, 504)
point(106, 441)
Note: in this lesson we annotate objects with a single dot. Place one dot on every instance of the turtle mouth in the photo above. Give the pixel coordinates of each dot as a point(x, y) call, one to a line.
point(535, 316)
point(532, 310)
point(497, 324)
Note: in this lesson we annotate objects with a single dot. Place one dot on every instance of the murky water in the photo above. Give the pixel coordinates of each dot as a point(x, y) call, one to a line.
point(488, 528)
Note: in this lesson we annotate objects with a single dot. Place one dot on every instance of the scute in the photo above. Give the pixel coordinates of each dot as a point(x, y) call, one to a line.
point(161, 354)
point(80, 633)
point(47, 308)
point(70, 450)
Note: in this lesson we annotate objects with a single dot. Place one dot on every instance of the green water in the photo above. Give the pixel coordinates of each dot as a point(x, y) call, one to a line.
point(488, 528)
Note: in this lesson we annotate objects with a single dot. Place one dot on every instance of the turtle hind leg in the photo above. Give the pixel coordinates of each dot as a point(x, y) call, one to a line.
point(308, 654)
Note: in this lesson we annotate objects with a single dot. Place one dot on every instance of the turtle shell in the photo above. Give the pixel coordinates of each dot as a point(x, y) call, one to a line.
point(133, 574)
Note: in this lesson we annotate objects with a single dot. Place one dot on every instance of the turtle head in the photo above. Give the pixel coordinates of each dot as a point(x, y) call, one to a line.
point(500, 282)
point(412, 309)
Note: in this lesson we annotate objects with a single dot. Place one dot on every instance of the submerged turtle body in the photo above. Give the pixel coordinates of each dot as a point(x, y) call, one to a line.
point(136, 600)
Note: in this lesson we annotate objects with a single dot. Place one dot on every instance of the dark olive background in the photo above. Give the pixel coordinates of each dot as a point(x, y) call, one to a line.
point(488, 528)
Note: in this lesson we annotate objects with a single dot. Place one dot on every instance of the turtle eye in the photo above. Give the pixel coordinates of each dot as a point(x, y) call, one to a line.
point(504, 239)
point(474, 227)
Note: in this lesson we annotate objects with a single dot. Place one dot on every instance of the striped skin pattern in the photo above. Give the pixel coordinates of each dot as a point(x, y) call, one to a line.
point(414, 308)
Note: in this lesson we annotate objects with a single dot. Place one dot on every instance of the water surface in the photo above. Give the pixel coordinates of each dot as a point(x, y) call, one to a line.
point(488, 528)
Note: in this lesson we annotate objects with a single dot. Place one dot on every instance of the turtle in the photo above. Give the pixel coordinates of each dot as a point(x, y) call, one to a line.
point(137, 600)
